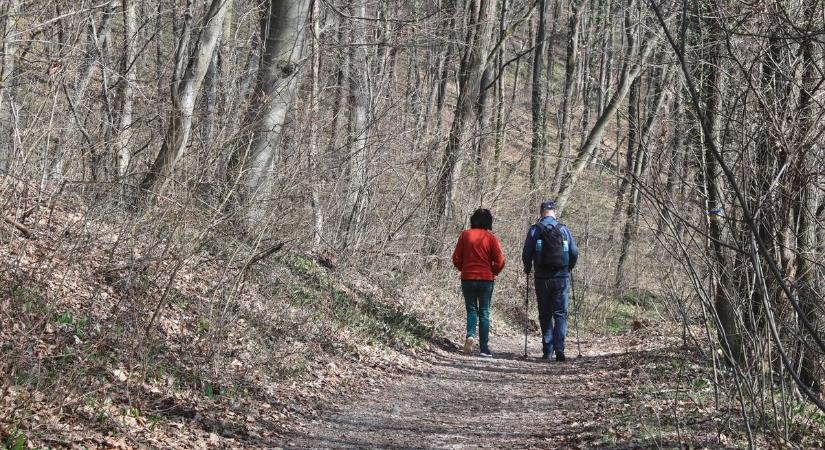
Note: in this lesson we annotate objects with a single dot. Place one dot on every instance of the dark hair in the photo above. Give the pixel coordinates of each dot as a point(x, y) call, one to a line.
point(482, 218)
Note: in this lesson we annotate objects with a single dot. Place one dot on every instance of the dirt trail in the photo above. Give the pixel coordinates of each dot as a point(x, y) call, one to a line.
point(462, 401)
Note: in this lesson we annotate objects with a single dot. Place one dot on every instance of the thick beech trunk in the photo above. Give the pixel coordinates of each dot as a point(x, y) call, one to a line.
point(359, 105)
point(283, 35)
point(130, 29)
point(8, 58)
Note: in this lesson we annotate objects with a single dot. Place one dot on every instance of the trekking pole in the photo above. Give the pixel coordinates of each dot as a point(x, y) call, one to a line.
point(526, 309)
point(576, 313)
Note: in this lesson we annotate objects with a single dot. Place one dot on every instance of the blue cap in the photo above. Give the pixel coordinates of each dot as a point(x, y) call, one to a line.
point(548, 205)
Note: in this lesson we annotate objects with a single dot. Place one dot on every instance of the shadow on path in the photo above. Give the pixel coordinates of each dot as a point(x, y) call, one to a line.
point(463, 401)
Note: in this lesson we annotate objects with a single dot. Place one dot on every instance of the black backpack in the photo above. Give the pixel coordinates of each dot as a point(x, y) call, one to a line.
point(552, 254)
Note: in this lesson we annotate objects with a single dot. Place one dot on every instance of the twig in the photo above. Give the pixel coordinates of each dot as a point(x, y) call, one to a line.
point(761, 248)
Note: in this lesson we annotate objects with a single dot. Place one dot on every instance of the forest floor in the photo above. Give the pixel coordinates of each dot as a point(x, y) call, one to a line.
point(622, 392)
point(304, 355)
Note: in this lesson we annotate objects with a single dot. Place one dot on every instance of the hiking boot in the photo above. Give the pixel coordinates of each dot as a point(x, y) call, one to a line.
point(468, 345)
point(560, 356)
point(485, 353)
point(545, 355)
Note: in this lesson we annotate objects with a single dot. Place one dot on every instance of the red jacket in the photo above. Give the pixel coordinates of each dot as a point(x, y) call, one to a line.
point(478, 255)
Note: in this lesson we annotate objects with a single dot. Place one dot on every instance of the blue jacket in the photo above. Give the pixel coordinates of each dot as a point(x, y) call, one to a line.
point(528, 253)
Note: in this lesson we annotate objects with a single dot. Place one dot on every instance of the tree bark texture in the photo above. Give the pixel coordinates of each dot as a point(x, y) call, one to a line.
point(537, 148)
point(571, 62)
point(473, 63)
point(638, 168)
point(629, 73)
point(8, 59)
point(282, 28)
point(725, 310)
point(184, 97)
point(809, 202)
point(75, 133)
point(501, 131)
point(129, 80)
point(359, 108)
point(315, 131)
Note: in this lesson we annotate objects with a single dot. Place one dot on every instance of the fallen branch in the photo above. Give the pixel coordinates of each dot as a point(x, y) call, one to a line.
point(24, 230)
point(264, 254)
point(139, 265)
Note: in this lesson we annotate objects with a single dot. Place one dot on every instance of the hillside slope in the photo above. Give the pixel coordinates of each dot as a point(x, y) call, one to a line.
point(153, 334)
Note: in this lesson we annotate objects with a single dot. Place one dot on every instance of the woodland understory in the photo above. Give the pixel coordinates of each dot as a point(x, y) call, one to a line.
point(216, 216)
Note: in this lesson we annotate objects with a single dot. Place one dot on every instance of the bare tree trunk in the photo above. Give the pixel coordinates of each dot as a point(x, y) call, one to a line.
point(723, 304)
point(501, 132)
point(359, 103)
point(98, 37)
point(606, 41)
point(551, 64)
point(315, 130)
point(637, 170)
point(585, 78)
point(637, 135)
point(537, 149)
point(807, 207)
point(252, 64)
point(443, 70)
point(674, 162)
point(629, 73)
point(184, 36)
point(482, 134)
point(441, 75)
point(184, 96)
point(473, 64)
point(283, 29)
point(339, 119)
point(567, 96)
point(8, 151)
point(632, 145)
point(607, 52)
point(810, 362)
point(214, 98)
point(211, 92)
point(129, 79)
point(159, 49)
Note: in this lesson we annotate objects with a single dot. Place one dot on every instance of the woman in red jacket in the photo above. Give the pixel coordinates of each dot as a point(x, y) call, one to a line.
point(479, 258)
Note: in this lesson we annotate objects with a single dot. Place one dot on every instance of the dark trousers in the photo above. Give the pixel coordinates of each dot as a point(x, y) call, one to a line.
point(551, 294)
point(477, 297)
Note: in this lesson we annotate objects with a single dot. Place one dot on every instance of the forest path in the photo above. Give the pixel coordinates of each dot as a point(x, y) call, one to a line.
point(460, 401)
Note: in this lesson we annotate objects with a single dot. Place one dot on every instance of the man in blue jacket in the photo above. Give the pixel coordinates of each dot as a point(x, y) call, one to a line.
point(552, 279)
